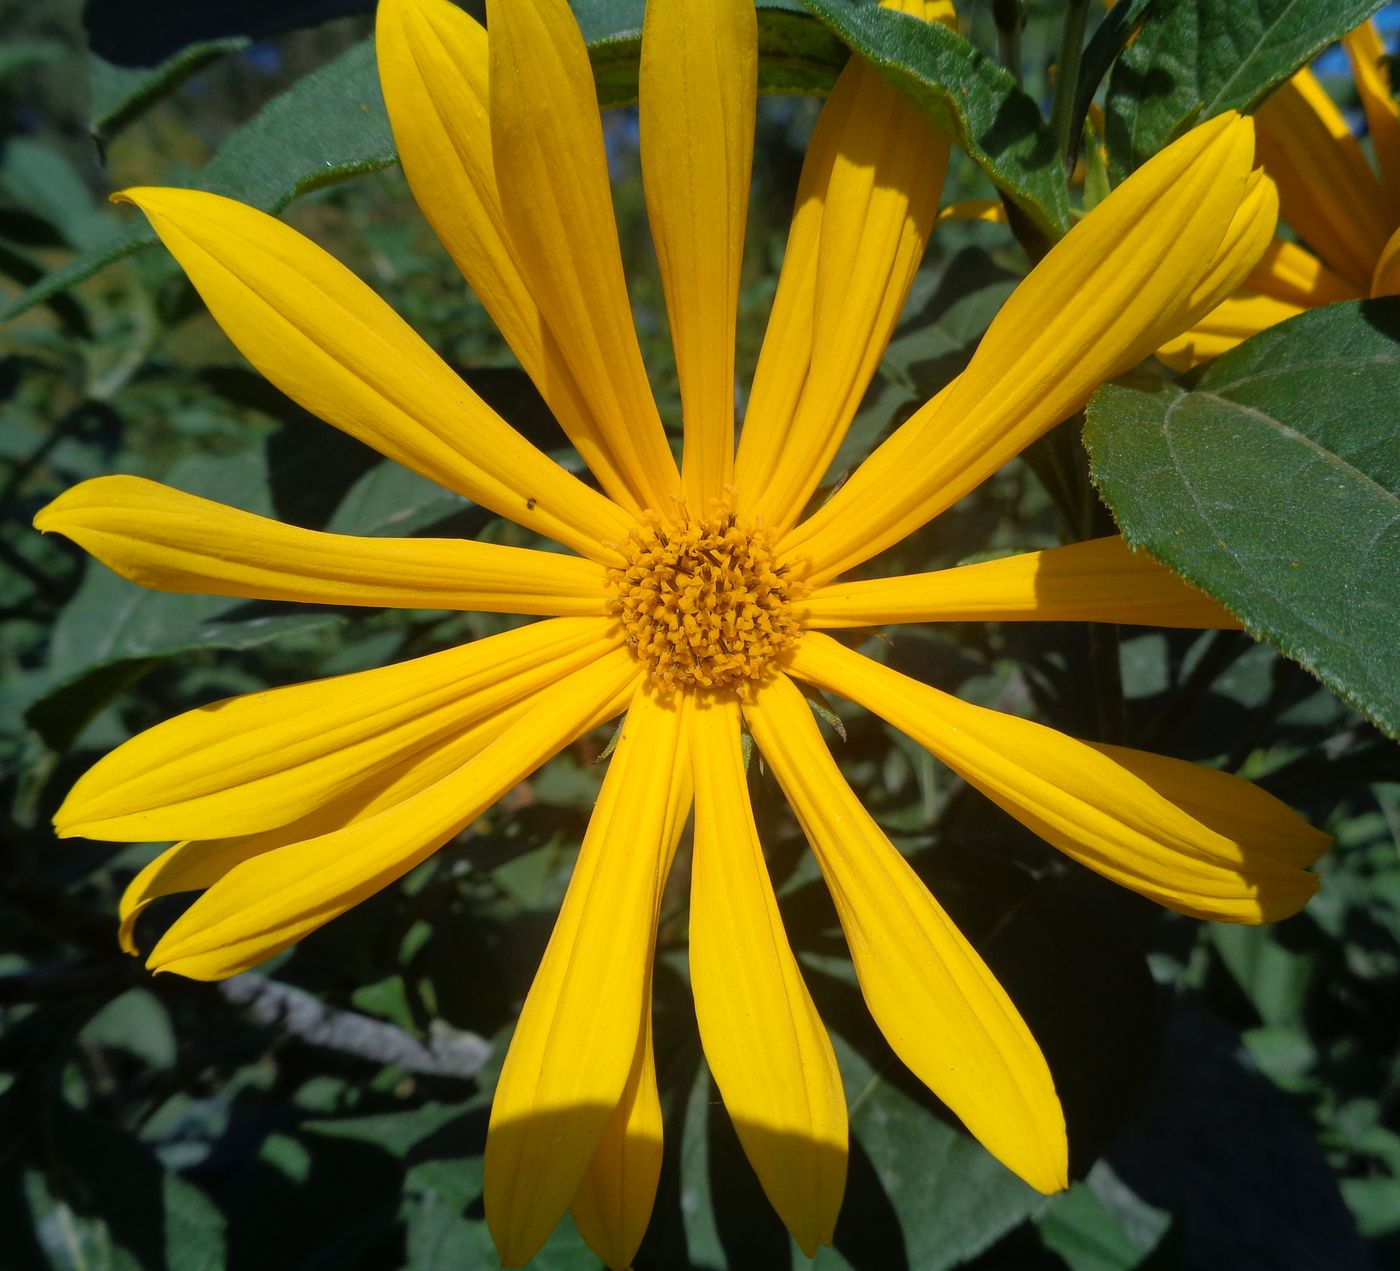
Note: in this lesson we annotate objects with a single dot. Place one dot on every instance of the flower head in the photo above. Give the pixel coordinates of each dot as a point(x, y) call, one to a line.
point(1347, 216)
point(697, 598)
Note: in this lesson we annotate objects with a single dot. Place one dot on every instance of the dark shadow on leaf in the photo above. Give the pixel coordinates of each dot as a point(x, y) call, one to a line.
point(753, 1236)
point(868, 1232)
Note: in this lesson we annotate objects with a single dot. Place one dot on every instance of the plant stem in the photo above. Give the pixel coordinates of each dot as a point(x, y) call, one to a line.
point(1067, 76)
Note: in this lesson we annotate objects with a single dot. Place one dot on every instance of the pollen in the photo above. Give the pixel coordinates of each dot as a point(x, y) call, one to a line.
point(706, 604)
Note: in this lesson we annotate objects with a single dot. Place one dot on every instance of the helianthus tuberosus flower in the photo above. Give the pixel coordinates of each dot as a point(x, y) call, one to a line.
point(697, 599)
point(1346, 214)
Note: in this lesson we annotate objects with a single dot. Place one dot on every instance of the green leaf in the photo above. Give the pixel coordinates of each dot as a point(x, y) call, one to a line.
point(1080, 1229)
point(916, 1182)
point(136, 1022)
point(1274, 485)
point(968, 95)
point(332, 124)
point(1197, 58)
point(121, 93)
point(324, 128)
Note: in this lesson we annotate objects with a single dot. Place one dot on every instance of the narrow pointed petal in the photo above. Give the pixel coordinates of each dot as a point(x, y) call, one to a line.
point(197, 864)
point(552, 176)
point(1289, 272)
point(1236, 809)
point(1247, 239)
point(1114, 289)
point(1146, 823)
point(1386, 280)
point(1230, 323)
point(613, 1205)
point(171, 541)
point(255, 762)
point(1370, 68)
point(699, 90)
point(765, 1044)
point(1326, 189)
point(938, 1005)
point(433, 63)
point(274, 899)
point(575, 1044)
point(1102, 580)
point(1286, 281)
point(866, 206)
point(334, 347)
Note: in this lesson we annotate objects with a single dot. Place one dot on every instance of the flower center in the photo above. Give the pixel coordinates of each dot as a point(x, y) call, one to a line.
point(706, 604)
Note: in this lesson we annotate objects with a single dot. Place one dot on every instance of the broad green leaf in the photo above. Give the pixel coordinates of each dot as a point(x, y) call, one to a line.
point(1081, 1230)
point(331, 124)
point(1274, 485)
point(944, 1197)
point(968, 95)
point(1194, 59)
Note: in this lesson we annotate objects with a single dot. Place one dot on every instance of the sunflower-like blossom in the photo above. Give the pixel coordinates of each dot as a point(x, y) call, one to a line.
point(697, 598)
point(1345, 211)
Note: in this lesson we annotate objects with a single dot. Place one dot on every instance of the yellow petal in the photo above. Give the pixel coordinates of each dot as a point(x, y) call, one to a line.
point(576, 1041)
point(171, 541)
point(1219, 313)
point(552, 175)
point(613, 1205)
point(1230, 323)
point(765, 1044)
point(255, 762)
point(866, 204)
point(1289, 272)
point(1386, 280)
point(196, 864)
point(991, 211)
point(1246, 240)
point(699, 89)
point(1370, 68)
point(274, 899)
point(1236, 809)
point(1106, 295)
point(327, 341)
point(433, 66)
point(1326, 189)
point(932, 996)
point(1199, 854)
point(1103, 580)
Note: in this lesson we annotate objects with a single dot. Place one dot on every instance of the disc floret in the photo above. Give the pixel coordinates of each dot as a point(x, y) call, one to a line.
point(705, 604)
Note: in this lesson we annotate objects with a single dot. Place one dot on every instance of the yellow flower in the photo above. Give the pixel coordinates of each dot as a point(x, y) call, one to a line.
point(696, 599)
point(1348, 217)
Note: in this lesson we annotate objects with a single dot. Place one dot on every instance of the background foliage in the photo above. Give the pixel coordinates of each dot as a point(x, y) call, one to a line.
point(1232, 1093)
